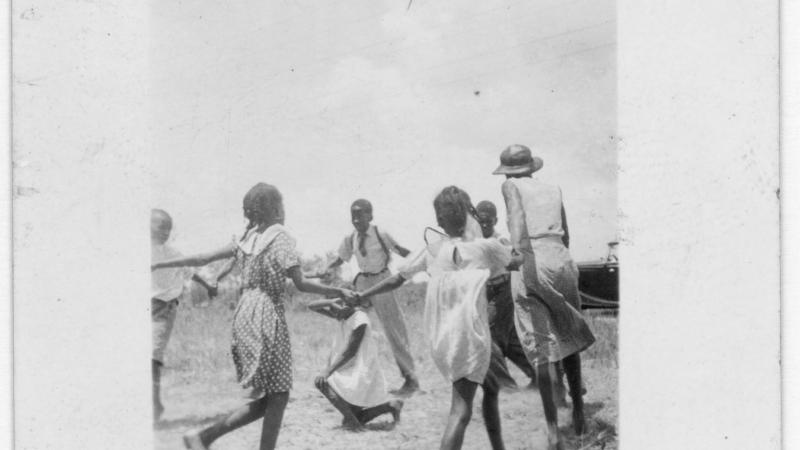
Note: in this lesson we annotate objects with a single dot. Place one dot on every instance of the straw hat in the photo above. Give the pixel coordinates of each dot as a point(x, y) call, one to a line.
point(517, 160)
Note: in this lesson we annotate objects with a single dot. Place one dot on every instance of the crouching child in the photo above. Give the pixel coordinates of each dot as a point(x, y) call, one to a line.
point(353, 381)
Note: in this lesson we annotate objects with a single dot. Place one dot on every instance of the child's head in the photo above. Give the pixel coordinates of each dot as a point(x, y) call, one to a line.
point(361, 214)
point(160, 226)
point(452, 206)
point(263, 204)
point(487, 217)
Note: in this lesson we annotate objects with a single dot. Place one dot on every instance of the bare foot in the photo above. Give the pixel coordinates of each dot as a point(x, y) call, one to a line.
point(409, 387)
point(397, 406)
point(351, 424)
point(192, 441)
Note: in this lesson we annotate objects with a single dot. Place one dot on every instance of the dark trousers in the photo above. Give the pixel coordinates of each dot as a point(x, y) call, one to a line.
point(505, 341)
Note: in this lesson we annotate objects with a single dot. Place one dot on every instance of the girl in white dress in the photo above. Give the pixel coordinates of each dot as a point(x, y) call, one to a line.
point(352, 380)
point(455, 316)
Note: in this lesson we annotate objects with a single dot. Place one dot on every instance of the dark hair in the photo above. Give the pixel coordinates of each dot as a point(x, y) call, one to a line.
point(487, 207)
point(165, 217)
point(363, 205)
point(265, 203)
point(452, 206)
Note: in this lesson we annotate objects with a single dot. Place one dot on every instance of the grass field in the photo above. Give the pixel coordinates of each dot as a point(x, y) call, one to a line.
point(199, 384)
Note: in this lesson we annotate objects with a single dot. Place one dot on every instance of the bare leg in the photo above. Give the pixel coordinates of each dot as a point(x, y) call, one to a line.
point(460, 414)
point(158, 407)
point(350, 419)
point(392, 407)
point(491, 417)
point(559, 391)
point(273, 416)
point(550, 412)
point(572, 367)
point(236, 419)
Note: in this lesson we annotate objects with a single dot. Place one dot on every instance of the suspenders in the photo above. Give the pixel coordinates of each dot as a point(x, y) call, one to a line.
point(380, 241)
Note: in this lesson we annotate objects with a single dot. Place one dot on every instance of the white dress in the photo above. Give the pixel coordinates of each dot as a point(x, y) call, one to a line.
point(360, 381)
point(455, 318)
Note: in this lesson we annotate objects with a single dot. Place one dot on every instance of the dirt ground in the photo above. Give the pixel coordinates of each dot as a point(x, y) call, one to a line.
point(199, 384)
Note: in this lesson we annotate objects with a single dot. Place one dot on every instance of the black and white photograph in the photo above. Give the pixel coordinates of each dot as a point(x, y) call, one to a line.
point(394, 225)
point(444, 175)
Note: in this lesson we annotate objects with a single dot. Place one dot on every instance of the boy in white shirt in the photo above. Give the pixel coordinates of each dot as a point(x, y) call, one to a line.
point(166, 286)
point(372, 249)
point(353, 381)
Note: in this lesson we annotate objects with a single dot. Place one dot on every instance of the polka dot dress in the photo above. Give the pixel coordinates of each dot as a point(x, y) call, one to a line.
point(261, 350)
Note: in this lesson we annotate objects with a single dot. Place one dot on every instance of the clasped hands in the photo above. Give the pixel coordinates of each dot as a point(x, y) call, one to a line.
point(350, 297)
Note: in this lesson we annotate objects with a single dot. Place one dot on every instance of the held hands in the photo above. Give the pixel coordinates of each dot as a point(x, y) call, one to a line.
point(321, 381)
point(516, 261)
point(350, 297)
point(213, 290)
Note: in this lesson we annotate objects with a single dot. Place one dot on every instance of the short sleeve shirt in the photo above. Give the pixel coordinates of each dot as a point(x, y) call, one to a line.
point(376, 259)
point(166, 284)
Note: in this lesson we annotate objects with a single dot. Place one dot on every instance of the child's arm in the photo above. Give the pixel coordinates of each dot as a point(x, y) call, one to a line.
point(327, 307)
point(356, 337)
point(387, 285)
point(402, 251)
point(305, 285)
point(212, 290)
point(200, 259)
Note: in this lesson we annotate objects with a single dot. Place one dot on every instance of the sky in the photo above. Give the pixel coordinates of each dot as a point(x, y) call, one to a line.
point(333, 101)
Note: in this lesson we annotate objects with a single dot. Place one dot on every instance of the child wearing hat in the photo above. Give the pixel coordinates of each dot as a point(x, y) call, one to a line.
point(455, 315)
point(166, 287)
point(548, 319)
point(373, 249)
point(266, 254)
point(353, 381)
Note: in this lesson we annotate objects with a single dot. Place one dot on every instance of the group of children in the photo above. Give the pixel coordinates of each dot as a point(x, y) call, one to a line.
point(475, 314)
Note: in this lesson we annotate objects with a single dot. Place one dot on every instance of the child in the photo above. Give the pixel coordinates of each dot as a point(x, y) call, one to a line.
point(165, 288)
point(548, 319)
point(260, 345)
point(499, 295)
point(372, 249)
point(455, 316)
point(353, 381)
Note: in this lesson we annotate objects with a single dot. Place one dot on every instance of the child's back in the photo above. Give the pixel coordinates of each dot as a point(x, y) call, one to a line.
point(360, 381)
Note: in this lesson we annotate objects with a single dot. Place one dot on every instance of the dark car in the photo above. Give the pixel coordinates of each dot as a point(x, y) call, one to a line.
point(599, 281)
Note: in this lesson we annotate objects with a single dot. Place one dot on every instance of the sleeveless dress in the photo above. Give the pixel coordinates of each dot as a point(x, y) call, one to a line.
point(548, 319)
point(455, 318)
point(260, 345)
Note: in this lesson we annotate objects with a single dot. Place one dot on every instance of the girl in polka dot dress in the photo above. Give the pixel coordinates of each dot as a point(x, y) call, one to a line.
point(261, 351)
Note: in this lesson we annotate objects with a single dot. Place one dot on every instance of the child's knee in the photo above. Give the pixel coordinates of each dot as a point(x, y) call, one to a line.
point(462, 415)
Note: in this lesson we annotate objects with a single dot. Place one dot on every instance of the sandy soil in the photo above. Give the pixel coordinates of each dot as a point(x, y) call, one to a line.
point(199, 384)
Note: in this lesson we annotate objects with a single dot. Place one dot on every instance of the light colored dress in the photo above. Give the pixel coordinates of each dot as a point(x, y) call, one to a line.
point(548, 319)
point(455, 317)
point(360, 381)
point(260, 345)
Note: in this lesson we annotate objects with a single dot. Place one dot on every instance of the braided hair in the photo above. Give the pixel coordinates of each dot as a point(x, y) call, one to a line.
point(452, 206)
point(263, 203)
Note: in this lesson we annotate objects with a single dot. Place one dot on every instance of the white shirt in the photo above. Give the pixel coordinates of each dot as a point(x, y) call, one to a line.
point(166, 284)
point(376, 259)
point(360, 381)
